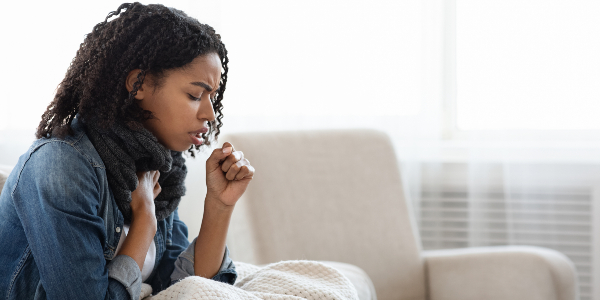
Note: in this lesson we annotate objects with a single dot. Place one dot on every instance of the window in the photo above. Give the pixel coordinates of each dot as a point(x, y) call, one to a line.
point(528, 65)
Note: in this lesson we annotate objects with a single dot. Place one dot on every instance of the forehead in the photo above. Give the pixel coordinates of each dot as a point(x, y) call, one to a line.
point(208, 65)
point(206, 69)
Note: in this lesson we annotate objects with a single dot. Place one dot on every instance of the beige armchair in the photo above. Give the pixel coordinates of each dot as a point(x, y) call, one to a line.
point(4, 171)
point(337, 196)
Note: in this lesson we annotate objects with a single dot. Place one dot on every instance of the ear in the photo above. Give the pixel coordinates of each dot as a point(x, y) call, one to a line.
point(131, 80)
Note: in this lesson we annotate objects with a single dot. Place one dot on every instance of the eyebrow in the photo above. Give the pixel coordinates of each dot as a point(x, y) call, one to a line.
point(202, 84)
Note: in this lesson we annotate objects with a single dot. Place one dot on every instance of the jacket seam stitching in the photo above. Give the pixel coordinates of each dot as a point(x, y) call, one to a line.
point(88, 159)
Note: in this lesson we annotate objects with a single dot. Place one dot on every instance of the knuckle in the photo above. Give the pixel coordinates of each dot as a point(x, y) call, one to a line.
point(241, 163)
point(240, 174)
point(231, 158)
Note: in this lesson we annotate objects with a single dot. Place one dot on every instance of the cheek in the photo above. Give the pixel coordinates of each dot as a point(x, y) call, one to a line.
point(169, 110)
point(189, 109)
point(173, 108)
point(180, 118)
point(154, 103)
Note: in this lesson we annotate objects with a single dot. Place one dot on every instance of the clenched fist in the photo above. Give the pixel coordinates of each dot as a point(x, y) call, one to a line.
point(228, 174)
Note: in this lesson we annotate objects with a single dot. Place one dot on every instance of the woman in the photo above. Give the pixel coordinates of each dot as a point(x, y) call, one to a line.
point(90, 211)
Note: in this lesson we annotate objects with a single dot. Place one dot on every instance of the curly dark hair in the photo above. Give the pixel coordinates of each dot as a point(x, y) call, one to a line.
point(152, 38)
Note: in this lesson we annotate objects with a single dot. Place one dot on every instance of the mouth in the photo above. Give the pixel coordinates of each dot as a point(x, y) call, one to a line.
point(196, 138)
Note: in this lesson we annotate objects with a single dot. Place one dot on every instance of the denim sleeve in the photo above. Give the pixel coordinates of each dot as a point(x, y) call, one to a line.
point(176, 242)
point(58, 207)
point(178, 260)
point(124, 270)
point(184, 262)
point(184, 267)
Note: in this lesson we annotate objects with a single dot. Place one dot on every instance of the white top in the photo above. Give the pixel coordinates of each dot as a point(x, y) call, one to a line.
point(150, 256)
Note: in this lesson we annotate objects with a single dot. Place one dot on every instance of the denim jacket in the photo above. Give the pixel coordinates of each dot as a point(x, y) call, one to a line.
point(60, 226)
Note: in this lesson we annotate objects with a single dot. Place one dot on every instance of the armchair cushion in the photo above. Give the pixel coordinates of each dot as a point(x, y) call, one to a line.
point(499, 273)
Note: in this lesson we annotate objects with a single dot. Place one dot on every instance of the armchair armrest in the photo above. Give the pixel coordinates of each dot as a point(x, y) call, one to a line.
point(500, 273)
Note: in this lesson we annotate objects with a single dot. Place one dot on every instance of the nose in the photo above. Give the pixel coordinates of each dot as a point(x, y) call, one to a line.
point(205, 110)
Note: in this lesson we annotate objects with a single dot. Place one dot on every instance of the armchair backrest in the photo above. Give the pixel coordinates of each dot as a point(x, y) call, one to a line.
point(4, 172)
point(328, 195)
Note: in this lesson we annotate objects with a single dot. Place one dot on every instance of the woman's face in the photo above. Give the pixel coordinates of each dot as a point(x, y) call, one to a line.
point(181, 105)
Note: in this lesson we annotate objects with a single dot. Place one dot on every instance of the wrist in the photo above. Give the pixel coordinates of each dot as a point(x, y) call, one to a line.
point(145, 217)
point(141, 205)
point(214, 204)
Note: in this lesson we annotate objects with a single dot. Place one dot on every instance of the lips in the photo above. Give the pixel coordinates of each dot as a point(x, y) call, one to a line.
point(196, 136)
point(200, 131)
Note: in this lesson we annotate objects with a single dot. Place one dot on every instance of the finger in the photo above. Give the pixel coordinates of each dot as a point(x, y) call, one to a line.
point(228, 144)
point(218, 155)
point(156, 176)
point(227, 148)
point(232, 159)
point(157, 190)
point(251, 171)
point(140, 175)
point(235, 169)
point(246, 171)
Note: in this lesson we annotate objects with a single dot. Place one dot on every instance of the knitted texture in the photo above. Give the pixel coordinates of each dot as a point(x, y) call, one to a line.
point(124, 152)
point(285, 280)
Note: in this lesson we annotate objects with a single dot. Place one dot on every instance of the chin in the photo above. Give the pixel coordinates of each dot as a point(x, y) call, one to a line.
point(181, 149)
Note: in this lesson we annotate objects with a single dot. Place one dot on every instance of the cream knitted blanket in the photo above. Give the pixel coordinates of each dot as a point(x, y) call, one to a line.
point(284, 280)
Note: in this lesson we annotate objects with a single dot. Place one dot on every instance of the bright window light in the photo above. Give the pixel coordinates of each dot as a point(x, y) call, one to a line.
point(323, 58)
point(528, 64)
point(307, 58)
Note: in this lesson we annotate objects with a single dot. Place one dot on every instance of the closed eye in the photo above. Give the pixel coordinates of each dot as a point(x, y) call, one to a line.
point(194, 98)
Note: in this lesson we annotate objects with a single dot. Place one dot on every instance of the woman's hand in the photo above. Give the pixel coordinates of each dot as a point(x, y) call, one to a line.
point(142, 198)
point(228, 174)
point(143, 219)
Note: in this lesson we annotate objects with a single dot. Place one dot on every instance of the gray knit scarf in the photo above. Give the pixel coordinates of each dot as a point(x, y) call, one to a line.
point(125, 152)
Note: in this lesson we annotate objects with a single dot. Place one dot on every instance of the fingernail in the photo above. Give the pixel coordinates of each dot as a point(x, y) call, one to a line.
point(227, 150)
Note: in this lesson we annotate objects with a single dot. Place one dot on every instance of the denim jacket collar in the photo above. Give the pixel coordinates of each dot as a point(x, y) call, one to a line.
point(113, 218)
